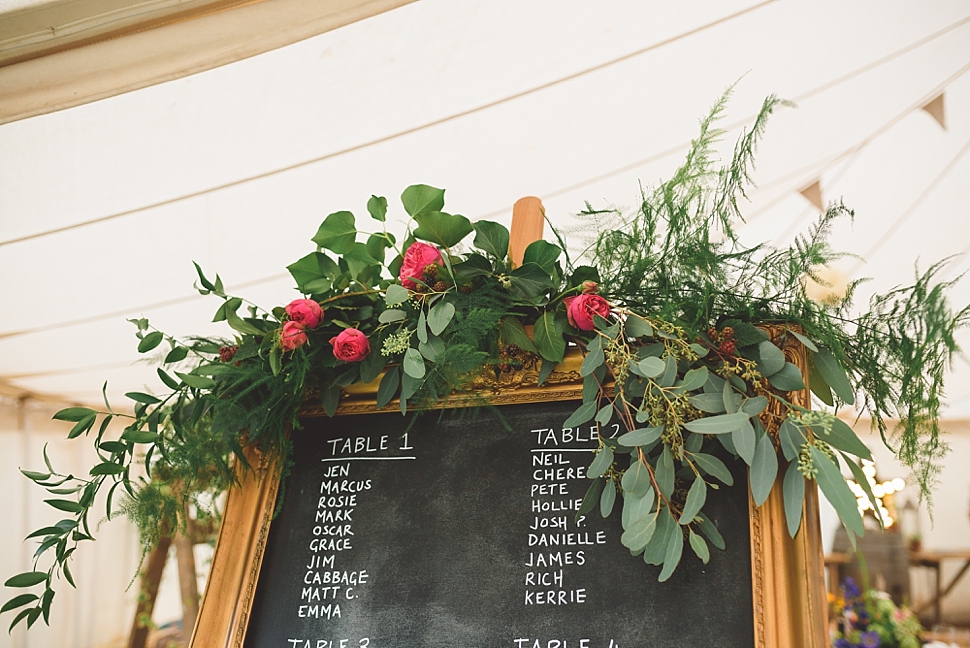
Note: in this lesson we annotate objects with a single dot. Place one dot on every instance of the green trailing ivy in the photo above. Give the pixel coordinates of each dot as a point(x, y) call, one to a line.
point(672, 353)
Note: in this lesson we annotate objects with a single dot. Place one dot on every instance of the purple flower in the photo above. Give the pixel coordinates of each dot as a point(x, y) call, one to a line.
point(849, 589)
point(844, 643)
point(869, 639)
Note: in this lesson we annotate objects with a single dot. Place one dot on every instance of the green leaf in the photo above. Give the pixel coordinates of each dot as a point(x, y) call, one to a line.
point(764, 469)
point(641, 437)
point(432, 349)
point(65, 505)
point(396, 295)
point(591, 498)
point(720, 424)
point(675, 548)
point(635, 507)
point(696, 497)
point(601, 462)
point(863, 481)
point(81, 427)
point(604, 414)
point(744, 441)
point(584, 413)
point(665, 472)
point(640, 533)
point(654, 552)
point(694, 379)
point(511, 331)
point(754, 406)
point(492, 238)
point(594, 358)
point(275, 361)
point(371, 367)
point(545, 370)
point(414, 364)
point(170, 382)
point(421, 198)
point(837, 492)
point(35, 476)
point(788, 379)
point(804, 340)
point(529, 281)
point(794, 493)
point(713, 467)
point(113, 446)
point(330, 399)
point(74, 414)
point(651, 367)
point(391, 315)
point(818, 385)
point(239, 324)
point(19, 601)
point(107, 468)
point(700, 547)
point(377, 208)
point(710, 403)
point(549, 341)
point(177, 354)
point(834, 375)
point(197, 382)
point(708, 529)
point(670, 372)
point(314, 272)
point(139, 436)
point(636, 479)
point(447, 230)
point(140, 397)
point(542, 253)
point(388, 387)
point(440, 315)
point(772, 359)
point(791, 438)
point(843, 438)
point(150, 341)
point(608, 498)
point(636, 327)
point(337, 232)
point(26, 579)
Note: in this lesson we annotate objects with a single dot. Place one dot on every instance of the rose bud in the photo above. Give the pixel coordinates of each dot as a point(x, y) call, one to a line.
point(589, 287)
point(350, 345)
point(292, 337)
point(306, 312)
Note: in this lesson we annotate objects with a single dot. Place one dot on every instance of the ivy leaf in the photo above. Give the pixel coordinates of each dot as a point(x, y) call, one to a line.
point(511, 331)
point(834, 375)
point(440, 315)
point(764, 469)
point(337, 232)
point(700, 547)
point(542, 253)
point(696, 497)
point(529, 281)
point(492, 238)
point(447, 230)
point(549, 341)
point(636, 479)
point(794, 492)
point(713, 467)
point(788, 379)
point(600, 463)
point(837, 492)
point(313, 269)
point(414, 364)
point(720, 424)
point(150, 341)
point(377, 208)
point(421, 198)
point(772, 359)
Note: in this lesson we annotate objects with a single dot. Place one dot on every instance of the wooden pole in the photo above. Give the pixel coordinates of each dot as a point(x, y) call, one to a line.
point(528, 218)
point(151, 577)
point(188, 585)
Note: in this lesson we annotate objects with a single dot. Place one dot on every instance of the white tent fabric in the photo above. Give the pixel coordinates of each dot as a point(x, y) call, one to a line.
point(104, 206)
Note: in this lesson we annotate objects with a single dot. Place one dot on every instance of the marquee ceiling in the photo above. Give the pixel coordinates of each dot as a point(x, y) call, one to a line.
point(104, 206)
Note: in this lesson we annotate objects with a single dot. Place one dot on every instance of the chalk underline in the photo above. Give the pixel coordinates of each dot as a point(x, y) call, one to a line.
point(563, 449)
point(367, 458)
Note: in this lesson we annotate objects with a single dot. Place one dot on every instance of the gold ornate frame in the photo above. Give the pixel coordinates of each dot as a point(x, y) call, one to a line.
point(788, 587)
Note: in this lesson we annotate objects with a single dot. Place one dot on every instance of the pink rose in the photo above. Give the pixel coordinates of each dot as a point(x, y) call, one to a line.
point(292, 337)
point(350, 345)
point(418, 257)
point(306, 312)
point(581, 308)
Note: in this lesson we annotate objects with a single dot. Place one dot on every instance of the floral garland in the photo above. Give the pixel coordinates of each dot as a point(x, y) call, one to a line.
point(690, 386)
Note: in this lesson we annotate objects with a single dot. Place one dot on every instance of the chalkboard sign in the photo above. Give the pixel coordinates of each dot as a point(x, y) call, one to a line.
point(460, 531)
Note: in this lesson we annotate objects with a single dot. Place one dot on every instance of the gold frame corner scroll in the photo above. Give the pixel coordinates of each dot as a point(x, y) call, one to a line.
point(788, 592)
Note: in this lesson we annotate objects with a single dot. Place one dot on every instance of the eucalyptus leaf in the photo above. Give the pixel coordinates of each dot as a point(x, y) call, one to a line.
point(793, 490)
point(772, 359)
point(657, 547)
point(591, 498)
point(719, 424)
point(696, 497)
point(651, 367)
point(413, 363)
point(665, 472)
point(388, 387)
point(700, 547)
point(396, 295)
point(754, 406)
point(713, 467)
point(675, 549)
point(834, 375)
point(708, 529)
point(792, 438)
point(391, 315)
point(863, 481)
point(604, 414)
point(843, 437)
point(818, 385)
point(836, 491)
point(804, 340)
point(593, 359)
point(440, 316)
point(635, 507)
point(764, 469)
point(583, 413)
point(694, 379)
point(608, 498)
point(601, 462)
point(641, 437)
point(670, 372)
point(636, 479)
point(639, 534)
point(710, 403)
point(745, 441)
point(788, 379)
point(637, 327)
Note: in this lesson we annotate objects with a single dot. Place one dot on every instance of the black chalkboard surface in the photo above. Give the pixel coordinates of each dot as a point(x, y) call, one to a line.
point(461, 533)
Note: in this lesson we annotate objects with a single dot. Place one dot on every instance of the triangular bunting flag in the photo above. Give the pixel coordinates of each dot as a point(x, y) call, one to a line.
point(813, 194)
point(936, 110)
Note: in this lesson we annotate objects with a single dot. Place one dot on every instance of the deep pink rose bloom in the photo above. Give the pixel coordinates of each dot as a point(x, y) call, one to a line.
point(293, 336)
point(418, 257)
point(306, 312)
point(580, 310)
point(350, 345)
